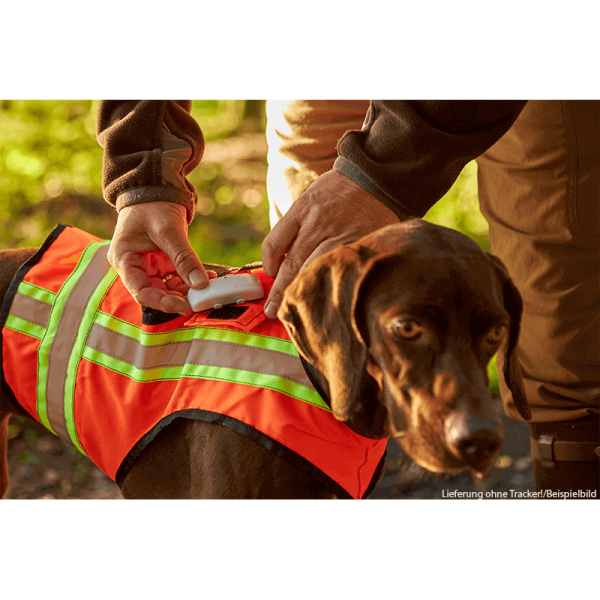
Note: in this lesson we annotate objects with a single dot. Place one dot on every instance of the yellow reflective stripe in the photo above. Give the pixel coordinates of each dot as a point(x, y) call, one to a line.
point(118, 325)
point(198, 351)
point(190, 333)
point(25, 327)
point(37, 292)
point(215, 373)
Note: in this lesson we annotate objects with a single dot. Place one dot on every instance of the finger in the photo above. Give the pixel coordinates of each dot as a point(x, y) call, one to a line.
point(176, 288)
point(302, 253)
point(289, 268)
point(159, 300)
point(132, 273)
point(176, 285)
point(279, 240)
point(323, 248)
point(128, 256)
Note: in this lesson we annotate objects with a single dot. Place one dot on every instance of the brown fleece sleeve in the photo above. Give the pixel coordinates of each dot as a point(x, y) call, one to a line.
point(409, 153)
point(150, 146)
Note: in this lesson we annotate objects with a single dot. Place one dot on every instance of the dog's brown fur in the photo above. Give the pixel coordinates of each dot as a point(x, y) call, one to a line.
point(401, 326)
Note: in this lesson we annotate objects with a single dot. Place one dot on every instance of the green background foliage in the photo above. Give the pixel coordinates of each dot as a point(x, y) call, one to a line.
point(51, 172)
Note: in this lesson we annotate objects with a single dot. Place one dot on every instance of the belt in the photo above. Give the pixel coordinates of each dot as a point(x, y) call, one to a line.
point(548, 450)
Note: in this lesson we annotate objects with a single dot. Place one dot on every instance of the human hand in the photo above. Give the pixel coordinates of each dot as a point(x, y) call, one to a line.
point(333, 211)
point(154, 258)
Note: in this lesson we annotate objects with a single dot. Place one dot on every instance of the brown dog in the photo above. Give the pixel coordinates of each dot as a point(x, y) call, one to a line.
point(416, 311)
point(399, 328)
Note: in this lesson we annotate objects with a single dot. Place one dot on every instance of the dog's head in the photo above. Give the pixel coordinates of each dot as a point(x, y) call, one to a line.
point(402, 324)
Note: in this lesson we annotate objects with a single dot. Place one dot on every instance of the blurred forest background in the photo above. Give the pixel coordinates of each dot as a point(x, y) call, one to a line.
point(51, 172)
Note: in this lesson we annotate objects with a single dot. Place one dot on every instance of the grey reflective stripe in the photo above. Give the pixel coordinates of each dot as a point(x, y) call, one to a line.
point(63, 338)
point(30, 309)
point(197, 352)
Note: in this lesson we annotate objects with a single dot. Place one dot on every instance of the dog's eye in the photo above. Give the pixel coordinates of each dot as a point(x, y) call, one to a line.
point(408, 329)
point(496, 334)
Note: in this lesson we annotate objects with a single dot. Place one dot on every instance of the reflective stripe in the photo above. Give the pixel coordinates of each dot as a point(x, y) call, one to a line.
point(221, 349)
point(201, 358)
point(190, 333)
point(30, 310)
point(163, 356)
point(35, 291)
point(60, 349)
point(196, 351)
point(23, 326)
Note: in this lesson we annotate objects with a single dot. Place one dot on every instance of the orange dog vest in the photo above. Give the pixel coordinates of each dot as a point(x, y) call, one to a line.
point(81, 357)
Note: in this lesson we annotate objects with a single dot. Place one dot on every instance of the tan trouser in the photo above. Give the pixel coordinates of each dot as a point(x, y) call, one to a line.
point(539, 189)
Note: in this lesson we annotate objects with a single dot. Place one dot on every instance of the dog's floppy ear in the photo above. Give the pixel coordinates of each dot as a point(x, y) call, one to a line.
point(317, 310)
point(508, 361)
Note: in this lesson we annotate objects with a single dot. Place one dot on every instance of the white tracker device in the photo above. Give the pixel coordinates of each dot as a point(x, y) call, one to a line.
point(231, 289)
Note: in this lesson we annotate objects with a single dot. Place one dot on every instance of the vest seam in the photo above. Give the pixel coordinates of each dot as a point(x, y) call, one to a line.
point(35, 299)
point(27, 320)
point(358, 473)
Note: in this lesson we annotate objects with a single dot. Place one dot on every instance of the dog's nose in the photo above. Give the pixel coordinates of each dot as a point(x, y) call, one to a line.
point(475, 441)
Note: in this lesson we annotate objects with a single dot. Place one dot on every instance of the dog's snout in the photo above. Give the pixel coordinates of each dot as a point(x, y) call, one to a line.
point(475, 441)
point(477, 449)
